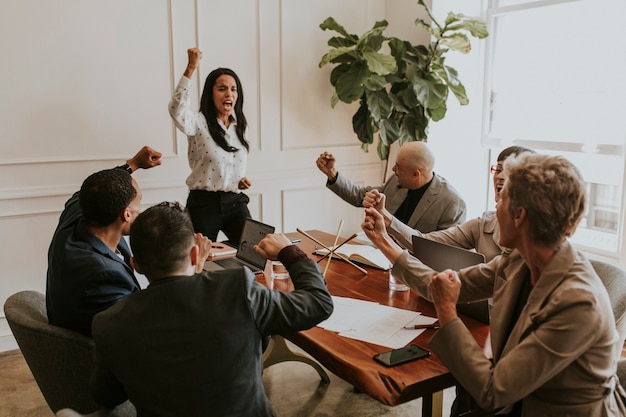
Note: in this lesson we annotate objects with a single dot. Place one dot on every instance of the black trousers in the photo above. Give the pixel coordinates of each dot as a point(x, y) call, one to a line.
point(212, 211)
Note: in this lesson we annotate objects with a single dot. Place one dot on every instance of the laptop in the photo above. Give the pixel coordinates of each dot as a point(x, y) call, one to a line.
point(440, 256)
point(253, 232)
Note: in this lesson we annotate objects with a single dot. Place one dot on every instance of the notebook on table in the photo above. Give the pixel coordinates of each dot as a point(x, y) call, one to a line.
point(363, 254)
point(253, 232)
point(440, 256)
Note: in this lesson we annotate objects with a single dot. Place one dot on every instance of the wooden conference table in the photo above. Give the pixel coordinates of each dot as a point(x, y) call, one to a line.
point(351, 359)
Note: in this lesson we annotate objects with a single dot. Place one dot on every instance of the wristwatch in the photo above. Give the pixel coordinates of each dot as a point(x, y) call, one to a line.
point(126, 168)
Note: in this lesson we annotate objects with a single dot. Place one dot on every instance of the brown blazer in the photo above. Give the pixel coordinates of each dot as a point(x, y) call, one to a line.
point(561, 356)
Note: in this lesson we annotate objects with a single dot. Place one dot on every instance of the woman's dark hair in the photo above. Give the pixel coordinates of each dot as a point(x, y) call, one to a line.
point(207, 107)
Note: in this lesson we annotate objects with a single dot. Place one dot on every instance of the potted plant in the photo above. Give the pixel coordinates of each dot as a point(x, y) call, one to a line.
point(401, 87)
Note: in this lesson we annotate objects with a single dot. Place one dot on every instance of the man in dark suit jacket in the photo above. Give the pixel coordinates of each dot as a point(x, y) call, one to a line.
point(88, 260)
point(190, 345)
point(416, 195)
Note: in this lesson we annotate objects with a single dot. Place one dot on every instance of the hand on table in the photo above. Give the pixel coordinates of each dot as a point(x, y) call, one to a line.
point(271, 245)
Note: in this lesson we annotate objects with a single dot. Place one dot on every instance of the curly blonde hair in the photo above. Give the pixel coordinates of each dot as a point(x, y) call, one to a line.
point(551, 189)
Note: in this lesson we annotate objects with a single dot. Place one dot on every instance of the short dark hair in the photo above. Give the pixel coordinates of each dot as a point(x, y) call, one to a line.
point(161, 238)
point(512, 150)
point(104, 195)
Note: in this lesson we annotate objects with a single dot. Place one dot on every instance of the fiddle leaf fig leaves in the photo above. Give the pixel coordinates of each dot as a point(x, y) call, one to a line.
point(457, 42)
point(389, 131)
point(331, 24)
point(401, 87)
point(349, 85)
point(379, 63)
point(429, 92)
point(450, 76)
point(475, 26)
point(362, 125)
point(379, 104)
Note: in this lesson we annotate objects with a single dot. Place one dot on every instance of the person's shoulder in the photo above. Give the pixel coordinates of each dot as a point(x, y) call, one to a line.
point(489, 221)
point(510, 258)
point(114, 316)
point(578, 283)
point(579, 265)
point(80, 265)
point(439, 179)
point(77, 258)
point(110, 313)
point(224, 277)
point(82, 255)
point(78, 237)
point(69, 219)
point(471, 225)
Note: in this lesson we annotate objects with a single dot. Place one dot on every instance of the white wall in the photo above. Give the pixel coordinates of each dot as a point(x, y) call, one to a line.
point(86, 84)
point(456, 140)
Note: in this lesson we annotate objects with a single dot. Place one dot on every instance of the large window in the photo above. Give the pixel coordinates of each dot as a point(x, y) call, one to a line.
point(556, 82)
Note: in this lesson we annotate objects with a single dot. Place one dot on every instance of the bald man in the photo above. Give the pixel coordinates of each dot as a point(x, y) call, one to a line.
point(415, 194)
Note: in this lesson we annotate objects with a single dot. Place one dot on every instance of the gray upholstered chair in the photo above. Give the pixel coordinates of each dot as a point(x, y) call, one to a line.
point(621, 372)
point(61, 360)
point(120, 411)
point(614, 279)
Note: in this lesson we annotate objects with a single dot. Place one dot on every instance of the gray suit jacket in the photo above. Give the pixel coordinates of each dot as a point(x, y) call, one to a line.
point(561, 356)
point(481, 233)
point(440, 207)
point(191, 346)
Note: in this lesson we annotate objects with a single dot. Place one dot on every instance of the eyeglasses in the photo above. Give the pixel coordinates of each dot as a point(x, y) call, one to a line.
point(172, 204)
point(496, 169)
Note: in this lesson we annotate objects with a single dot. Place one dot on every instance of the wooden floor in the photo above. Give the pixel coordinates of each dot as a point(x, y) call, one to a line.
point(293, 388)
point(19, 394)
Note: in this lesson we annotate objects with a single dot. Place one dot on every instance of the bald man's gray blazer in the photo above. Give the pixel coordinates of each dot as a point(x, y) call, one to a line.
point(440, 207)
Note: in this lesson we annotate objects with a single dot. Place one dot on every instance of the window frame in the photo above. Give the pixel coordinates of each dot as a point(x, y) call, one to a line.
point(589, 239)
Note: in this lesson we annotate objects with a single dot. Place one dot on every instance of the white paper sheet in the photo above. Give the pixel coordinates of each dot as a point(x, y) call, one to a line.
point(374, 323)
point(346, 314)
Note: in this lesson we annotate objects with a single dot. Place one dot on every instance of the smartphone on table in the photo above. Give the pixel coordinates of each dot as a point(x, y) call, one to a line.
point(402, 355)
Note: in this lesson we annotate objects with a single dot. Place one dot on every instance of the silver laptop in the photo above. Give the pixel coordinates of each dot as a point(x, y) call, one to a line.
point(440, 256)
point(253, 232)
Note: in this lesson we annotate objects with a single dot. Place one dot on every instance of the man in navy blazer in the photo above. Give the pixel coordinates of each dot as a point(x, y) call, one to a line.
point(190, 344)
point(88, 260)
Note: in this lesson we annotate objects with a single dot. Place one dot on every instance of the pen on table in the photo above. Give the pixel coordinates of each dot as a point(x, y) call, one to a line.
point(296, 241)
point(422, 326)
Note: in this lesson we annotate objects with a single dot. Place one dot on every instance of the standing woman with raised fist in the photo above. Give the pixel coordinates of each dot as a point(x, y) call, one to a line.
point(217, 152)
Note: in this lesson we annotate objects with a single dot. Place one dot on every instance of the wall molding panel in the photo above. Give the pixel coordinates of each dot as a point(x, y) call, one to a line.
point(98, 87)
